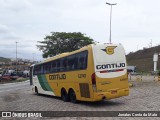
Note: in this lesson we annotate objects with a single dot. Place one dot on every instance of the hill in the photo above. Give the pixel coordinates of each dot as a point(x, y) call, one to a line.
point(2, 59)
point(143, 59)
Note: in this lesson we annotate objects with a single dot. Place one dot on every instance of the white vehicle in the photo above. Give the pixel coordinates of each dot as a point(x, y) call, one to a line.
point(131, 69)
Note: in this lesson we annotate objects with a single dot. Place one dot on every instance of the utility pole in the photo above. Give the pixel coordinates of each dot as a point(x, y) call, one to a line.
point(33, 57)
point(16, 57)
point(110, 18)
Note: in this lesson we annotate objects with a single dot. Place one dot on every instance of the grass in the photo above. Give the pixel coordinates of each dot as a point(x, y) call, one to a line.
point(14, 81)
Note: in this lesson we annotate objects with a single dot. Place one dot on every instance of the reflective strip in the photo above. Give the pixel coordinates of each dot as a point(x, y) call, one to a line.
point(107, 71)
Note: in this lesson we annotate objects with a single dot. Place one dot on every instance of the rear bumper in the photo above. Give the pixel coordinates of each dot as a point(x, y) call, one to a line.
point(98, 96)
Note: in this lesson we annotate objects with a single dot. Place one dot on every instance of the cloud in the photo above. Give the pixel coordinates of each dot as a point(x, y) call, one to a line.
point(7, 34)
point(28, 21)
point(15, 5)
point(3, 29)
point(24, 50)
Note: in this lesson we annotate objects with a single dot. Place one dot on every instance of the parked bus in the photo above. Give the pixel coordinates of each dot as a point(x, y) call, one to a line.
point(92, 73)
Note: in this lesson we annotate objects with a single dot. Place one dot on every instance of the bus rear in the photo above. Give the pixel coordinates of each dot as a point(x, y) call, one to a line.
point(110, 78)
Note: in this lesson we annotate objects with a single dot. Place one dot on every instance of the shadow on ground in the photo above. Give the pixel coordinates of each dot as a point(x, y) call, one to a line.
point(86, 103)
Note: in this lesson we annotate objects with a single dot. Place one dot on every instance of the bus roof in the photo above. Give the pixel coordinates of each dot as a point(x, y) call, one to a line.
point(70, 53)
point(63, 54)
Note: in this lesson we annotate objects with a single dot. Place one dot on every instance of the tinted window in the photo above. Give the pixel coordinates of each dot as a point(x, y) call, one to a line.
point(82, 60)
point(47, 67)
point(72, 62)
point(41, 69)
point(30, 75)
point(53, 66)
point(38, 69)
point(58, 65)
point(35, 70)
point(63, 64)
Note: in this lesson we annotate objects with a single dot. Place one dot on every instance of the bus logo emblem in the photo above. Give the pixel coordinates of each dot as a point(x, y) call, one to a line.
point(109, 50)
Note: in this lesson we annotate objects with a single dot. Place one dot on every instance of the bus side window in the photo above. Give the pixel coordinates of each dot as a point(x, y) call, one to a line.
point(53, 66)
point(30, 75)
point(63, 64)
point(37, 69)
point(71, 62)
point(41, 69)
point(47, 67)
point(82, 60)
point(35, 72)
point(58, 65)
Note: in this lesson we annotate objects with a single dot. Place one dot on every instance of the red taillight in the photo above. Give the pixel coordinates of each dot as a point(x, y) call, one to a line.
point(119, 70)
point(107, 71)
point(104, 71)
point(93, 79)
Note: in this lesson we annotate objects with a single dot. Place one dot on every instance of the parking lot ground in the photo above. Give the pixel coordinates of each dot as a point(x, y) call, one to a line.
point(144, 96)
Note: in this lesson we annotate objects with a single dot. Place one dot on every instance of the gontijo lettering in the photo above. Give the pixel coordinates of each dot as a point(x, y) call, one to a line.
point(108, 66)
point(57, 77)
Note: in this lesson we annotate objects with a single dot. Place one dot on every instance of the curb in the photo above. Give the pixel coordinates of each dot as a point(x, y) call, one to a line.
point(13, 83)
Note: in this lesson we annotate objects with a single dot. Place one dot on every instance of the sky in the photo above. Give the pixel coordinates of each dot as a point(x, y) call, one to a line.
point(135, 23)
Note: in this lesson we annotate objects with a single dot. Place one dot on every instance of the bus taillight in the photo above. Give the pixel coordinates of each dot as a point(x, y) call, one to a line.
point(93, 79)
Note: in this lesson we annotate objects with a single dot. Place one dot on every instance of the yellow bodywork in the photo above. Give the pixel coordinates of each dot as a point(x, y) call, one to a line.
point(80, 81)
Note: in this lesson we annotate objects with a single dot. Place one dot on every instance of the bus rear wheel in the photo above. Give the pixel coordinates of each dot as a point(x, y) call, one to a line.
point(64, 95)
point(72, 96)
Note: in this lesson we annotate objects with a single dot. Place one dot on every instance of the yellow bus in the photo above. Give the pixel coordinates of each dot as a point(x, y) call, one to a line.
point(92, 73)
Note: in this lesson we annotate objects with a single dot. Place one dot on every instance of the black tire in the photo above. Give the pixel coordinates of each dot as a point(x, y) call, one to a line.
point(36, 91)
point(72, 96)
point(64, 95)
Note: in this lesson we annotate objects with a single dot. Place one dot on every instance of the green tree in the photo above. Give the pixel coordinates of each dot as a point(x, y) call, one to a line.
point(60, 42)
